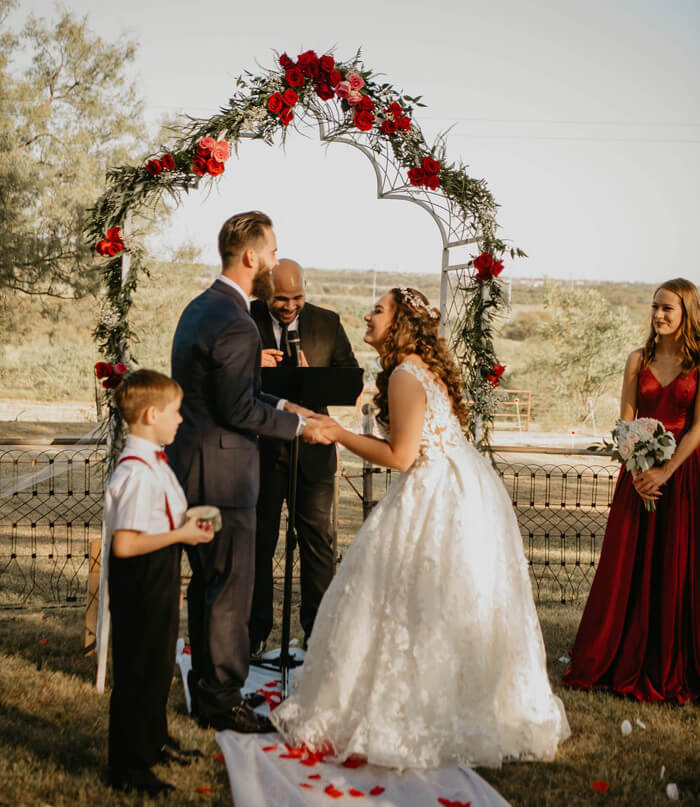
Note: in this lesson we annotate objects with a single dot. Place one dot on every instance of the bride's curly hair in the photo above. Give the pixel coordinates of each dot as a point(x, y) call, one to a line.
point(414, 329)
point(690, 325)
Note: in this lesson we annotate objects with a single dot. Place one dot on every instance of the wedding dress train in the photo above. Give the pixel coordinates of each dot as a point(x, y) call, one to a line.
point(426, 650)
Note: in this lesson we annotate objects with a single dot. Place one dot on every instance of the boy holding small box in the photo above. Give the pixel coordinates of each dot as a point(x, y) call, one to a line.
point(145, 517)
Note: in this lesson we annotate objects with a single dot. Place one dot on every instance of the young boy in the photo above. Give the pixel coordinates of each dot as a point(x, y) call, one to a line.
point(144, 514)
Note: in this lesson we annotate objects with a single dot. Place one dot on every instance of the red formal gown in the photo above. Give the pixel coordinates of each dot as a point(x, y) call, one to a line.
point(640, 631)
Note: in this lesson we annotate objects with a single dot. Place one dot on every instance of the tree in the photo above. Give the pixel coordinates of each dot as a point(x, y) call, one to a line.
point(65, 119)
point(589, 339)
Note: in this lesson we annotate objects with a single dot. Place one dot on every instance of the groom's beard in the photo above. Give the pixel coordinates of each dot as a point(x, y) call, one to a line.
point(262, 285)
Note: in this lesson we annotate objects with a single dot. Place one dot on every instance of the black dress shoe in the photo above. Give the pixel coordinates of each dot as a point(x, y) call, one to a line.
point(254, 699)
point(180, 756)
point(142, 781)
point(239, 718)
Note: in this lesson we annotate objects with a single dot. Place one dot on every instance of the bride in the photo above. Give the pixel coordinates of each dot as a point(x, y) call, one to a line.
point(426, 651)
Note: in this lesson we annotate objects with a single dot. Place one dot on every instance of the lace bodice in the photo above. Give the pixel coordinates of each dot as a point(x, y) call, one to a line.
point(441, 429)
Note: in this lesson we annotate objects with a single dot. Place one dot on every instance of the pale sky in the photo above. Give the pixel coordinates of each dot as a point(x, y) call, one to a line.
point(582, 116)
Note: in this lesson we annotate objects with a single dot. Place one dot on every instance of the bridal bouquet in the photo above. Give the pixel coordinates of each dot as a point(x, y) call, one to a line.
point(641, 444)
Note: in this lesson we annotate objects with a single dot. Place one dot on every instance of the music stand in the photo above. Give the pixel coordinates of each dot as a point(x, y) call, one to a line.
point(314, 388)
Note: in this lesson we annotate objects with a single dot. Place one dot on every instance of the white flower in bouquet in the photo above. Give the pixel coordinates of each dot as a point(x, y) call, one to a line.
point(641, 444)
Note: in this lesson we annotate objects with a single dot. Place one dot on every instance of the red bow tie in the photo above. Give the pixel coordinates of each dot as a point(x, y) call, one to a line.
point(161, 455)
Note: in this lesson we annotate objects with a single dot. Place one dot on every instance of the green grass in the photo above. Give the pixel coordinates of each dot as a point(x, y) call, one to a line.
point(53, 727)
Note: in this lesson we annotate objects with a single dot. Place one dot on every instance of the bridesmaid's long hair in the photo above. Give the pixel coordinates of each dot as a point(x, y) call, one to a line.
point(414, 329)
point(690, 325)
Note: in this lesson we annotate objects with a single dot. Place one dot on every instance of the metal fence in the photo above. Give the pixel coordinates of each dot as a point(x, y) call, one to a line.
point(51, 509)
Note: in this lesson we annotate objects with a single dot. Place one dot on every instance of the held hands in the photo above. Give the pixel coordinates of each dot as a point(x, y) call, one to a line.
point(314, 431)
point(330, 428)
point(194, 532)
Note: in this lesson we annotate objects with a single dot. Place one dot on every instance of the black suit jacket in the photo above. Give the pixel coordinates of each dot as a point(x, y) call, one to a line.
point(216, 361)
point(325, 344)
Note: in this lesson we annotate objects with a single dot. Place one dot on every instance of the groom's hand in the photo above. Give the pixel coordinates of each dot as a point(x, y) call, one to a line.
point(299, 410)
point(314, 431)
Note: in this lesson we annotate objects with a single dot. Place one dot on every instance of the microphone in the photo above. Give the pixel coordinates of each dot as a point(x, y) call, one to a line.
point(295, 347)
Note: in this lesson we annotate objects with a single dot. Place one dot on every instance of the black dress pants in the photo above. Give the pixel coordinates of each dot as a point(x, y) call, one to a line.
point(144, 593)
point(314, 501)
point(218, 602)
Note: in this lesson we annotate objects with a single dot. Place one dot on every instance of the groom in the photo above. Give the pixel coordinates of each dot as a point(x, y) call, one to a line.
point(216, 361)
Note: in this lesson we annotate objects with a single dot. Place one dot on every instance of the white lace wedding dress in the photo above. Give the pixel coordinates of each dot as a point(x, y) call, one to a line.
point(426, 650)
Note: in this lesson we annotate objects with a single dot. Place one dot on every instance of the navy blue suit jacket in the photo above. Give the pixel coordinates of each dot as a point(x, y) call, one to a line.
point(216, 361)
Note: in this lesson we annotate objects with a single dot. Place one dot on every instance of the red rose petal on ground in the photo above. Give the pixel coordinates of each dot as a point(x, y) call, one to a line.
point(202, 789)
point(315, 776)
point(220, 758)
point(377, 791)
point(600, 785)
point(42, 642)
point(309, 761)
point(333, 792)
point(306, 785)
point(354, 762)
point(356, 794)
point(270, 748)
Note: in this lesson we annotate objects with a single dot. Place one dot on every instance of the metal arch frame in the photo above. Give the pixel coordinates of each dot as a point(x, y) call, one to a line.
point(391, 184)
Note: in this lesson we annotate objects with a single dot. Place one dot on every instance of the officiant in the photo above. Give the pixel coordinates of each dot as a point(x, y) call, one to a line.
point(322, 342)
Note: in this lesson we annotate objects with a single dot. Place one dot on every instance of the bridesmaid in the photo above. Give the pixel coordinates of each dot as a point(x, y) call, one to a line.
point(640, 631)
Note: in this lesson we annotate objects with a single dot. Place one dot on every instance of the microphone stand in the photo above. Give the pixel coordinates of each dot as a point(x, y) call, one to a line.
point(286, 661)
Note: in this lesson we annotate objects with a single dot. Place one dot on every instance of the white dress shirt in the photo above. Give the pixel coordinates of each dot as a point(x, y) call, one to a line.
point(135, 496)
point(235, 286)
point(277, 328)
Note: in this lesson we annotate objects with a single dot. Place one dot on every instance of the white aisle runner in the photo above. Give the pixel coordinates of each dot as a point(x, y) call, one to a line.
point(265, 772)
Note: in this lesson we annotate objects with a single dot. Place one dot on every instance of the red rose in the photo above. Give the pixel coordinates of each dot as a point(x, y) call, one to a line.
point(154, 167)
point(168, 162)
point(484, 261)
point(309, 63)
point(294, 77)
point(112, 382)
point(286, 62)
point(403, 122)
point(494, 379)
point(286, 116)
point(363, 120)
point(102, 247)
point(497, 268)
point(120, 368)
point(200, 151)
point(388, 127)
point(366, 104)
point(114, 248)
point(214, 167)
point(431, 166)
point(396, 109)
point(334, 77)
point(103, 369)
point(275, 102)
point(290, 97)
point(499, 369)
point(199, 164)
point(327, 63)
point(324, 92)
point(432, 181)
point(416, 176)
point(114, 234)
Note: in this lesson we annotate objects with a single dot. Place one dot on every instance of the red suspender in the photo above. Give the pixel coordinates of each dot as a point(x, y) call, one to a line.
point(168, 511)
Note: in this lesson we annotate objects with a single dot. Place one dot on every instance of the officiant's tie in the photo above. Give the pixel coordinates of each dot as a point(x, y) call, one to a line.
point(287, 358)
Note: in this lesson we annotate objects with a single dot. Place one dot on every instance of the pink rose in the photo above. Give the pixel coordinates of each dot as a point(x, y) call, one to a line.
point(221, 153)
point(342, 89)
point(120, 368)
point(207, 143)
point(356, 81)
point(354, 98)
point(224, 148)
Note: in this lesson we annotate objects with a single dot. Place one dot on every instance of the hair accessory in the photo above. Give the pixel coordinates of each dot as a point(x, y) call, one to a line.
point(410, 297)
